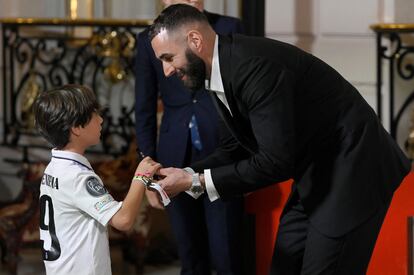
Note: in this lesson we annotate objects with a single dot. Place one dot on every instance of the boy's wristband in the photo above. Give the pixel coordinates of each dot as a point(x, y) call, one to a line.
point(147, 174)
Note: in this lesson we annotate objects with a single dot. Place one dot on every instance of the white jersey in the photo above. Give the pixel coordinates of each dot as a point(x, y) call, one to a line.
point(75, 208)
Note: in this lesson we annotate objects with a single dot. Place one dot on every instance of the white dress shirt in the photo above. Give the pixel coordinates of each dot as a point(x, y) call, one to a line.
point(215, 85)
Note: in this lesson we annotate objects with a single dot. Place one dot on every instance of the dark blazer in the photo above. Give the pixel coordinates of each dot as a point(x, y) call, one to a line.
point(179, 104)
point(293, 116)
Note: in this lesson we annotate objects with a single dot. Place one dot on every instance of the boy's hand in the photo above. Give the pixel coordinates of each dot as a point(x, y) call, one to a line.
point(147, 167)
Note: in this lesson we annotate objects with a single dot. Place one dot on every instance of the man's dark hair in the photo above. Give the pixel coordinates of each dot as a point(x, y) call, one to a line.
point(174, 17)
point(58, 110)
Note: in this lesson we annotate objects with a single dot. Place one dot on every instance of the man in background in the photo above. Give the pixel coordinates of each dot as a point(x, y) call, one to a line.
point(206, 232)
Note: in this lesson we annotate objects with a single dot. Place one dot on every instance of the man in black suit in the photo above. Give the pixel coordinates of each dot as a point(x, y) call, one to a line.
point(205, 231)
point(290, 116)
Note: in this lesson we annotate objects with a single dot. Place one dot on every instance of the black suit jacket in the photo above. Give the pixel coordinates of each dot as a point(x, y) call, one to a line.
point(179, 104)
point(293, 116)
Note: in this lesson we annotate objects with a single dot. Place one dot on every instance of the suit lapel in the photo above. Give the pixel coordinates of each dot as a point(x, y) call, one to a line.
point(224, 48)
point(238, 130)
point(223, 111)
point(225, 70)
point(231, 124)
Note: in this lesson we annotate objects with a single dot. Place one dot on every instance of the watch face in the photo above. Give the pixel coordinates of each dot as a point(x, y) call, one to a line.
point(196, 185)
point(197, 189)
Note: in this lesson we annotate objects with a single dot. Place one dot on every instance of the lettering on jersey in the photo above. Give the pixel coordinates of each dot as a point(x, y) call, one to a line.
point(94, 187)
point(100, 204)
point(50, 181)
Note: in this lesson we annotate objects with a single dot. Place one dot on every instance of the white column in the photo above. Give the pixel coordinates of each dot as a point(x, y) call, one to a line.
point(404, 11)
point(386, 11)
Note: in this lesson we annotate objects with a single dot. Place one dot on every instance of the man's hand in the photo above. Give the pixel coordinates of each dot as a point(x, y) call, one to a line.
point(175, 180)
point(154, 199)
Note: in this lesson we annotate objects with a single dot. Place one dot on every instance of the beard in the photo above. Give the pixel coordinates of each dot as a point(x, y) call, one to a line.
point(195, 71)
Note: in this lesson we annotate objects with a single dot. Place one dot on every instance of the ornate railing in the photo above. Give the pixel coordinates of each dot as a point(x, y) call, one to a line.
point(39, 54)
point(396, 48)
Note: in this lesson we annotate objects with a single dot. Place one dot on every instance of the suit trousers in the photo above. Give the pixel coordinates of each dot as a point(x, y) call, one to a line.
point(301, 249)
point(209, 234)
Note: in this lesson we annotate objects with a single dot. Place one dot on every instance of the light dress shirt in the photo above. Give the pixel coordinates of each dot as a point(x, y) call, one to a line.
point(215, 85)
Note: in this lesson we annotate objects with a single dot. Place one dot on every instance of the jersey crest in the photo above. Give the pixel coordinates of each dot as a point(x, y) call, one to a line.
point(94, 187)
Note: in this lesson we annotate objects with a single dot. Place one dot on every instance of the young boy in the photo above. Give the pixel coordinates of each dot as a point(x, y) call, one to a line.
point(75, 207)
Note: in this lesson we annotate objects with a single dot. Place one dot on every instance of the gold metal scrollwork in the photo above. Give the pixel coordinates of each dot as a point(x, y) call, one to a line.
point(28, 97)
point(115, 46)
point(409, 143)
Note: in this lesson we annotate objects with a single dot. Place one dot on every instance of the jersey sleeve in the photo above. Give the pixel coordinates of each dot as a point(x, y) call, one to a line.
point(90, 196)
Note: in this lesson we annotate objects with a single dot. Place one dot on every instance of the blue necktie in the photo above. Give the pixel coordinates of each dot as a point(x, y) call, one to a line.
point(195, 135)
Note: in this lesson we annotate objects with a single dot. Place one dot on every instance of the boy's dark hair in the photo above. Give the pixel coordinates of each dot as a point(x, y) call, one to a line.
point(57, 111)
point(175, 16)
